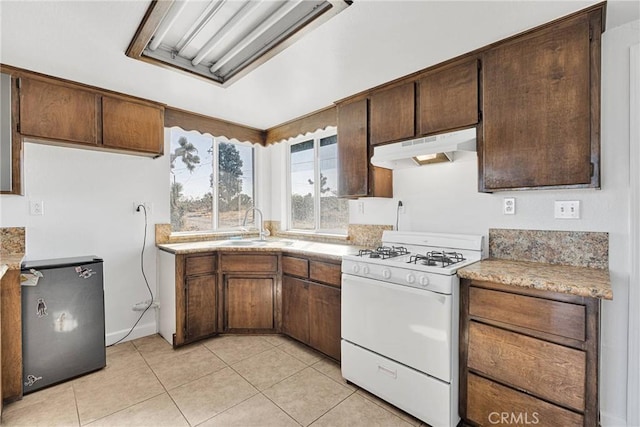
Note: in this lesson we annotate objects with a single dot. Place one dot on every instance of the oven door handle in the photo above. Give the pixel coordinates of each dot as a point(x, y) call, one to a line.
point(393, 373)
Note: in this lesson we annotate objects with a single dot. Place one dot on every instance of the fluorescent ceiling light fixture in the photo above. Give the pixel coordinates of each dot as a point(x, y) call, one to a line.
point(222, 40)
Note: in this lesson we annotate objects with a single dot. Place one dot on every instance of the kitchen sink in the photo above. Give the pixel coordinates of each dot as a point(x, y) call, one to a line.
point(257, 242)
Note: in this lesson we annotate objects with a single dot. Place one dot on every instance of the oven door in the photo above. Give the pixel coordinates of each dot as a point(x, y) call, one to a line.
point(414, 327)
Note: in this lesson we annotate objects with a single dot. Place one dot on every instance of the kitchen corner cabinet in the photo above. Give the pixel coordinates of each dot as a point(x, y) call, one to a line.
point(541, 108)
point(62, 112)
point(358, 177)
point(392, 114)
point(528, 353)
point(447, 98)
point(311, 303)
point(250, 292)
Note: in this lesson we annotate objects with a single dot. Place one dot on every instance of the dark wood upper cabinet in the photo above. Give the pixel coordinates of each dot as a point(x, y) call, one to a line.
point(130, 125)
point(59, 112)
point(541, 108)
point(56, 111)
point(448, 98)
point(392, 114)
point(358, 178)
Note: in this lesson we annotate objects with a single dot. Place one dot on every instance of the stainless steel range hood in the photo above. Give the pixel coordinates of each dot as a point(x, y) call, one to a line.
point(422, 151)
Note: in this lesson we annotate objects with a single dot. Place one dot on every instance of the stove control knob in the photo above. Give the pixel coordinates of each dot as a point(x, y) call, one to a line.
point(424, 281)
point(365, 270)
point(355, 268)
point(386, 273)
point(411, 278)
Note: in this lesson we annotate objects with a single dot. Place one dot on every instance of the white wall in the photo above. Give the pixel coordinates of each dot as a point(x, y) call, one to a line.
point(88, 209)
point(444, 197)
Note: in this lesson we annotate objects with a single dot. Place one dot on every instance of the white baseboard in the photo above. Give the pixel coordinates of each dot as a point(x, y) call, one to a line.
point(139, 332)
point(611, 421)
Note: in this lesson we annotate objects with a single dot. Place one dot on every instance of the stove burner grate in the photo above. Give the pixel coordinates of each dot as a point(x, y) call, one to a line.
point(437, 258)
point(383, 252)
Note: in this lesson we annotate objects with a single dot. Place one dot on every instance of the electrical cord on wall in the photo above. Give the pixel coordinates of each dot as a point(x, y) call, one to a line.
point(398, 213)
point(144, 242)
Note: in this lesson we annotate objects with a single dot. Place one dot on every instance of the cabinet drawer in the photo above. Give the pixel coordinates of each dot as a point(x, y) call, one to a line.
point(325, 273)
point(295, 266)
point(548, 370)
point(249, 263)
point(492, 404)
point(554, 317)
point(202, 264)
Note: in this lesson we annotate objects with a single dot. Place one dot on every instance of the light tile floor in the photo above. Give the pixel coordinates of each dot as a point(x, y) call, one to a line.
point(232, 380)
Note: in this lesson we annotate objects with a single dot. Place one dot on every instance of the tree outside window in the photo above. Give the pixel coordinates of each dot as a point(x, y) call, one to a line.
point(200, 164)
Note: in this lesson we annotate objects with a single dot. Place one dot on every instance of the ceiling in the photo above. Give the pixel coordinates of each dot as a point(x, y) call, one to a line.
point(369, 43)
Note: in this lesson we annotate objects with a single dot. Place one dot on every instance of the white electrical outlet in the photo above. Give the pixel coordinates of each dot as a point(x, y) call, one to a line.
point(566, 209)
point(509, 206)
point(361, 207)
point(36, 207)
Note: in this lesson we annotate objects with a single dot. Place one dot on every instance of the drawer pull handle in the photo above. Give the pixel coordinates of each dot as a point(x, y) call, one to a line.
point(391, 372)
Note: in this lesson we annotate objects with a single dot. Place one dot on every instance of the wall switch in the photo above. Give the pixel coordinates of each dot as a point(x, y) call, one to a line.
point(567, 209)
point(36, 207)
point(509, 206)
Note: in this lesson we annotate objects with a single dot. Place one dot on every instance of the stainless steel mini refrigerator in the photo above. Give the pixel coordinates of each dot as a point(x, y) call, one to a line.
point(62, 320)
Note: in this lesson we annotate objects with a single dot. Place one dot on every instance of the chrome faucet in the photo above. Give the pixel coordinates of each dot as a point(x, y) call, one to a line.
point(263, 232)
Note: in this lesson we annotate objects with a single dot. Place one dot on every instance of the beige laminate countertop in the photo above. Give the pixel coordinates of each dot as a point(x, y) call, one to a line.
point(581, 281)
point(288, 246)
point(10, 262)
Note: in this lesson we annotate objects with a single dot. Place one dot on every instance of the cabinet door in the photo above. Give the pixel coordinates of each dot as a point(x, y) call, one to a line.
point(353, 149)
point(200, 306)
point(249, 303)
point(129, 125)
point(448, 99)
point(392, 114)
point(357, 178)
point(295, 308)
point(324, 319)
point(58, 112)
point(537, 110)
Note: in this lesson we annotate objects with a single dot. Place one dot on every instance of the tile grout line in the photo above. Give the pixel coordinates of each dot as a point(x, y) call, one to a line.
point(161, 384)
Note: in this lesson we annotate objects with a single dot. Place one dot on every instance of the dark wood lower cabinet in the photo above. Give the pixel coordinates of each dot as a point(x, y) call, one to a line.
point(258, 292)
point(295, 308)
point(527, 356)
point(249, 304)
point(201, 307)
point(11, 334)
point(311, 303)
point(324, 319)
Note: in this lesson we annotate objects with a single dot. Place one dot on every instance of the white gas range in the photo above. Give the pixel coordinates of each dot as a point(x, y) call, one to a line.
point(400, 308)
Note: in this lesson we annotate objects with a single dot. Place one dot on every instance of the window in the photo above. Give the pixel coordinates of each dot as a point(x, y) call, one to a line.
point(200, 164)
point(313, 183)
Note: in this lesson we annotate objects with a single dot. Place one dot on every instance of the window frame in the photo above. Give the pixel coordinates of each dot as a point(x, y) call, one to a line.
point(316, 137)
point(215, 171)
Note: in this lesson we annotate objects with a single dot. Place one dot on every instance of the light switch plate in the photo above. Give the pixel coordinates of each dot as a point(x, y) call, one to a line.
point(567, 209)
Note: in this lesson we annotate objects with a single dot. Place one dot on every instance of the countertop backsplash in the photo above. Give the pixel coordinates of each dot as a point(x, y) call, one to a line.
point(575, 248)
